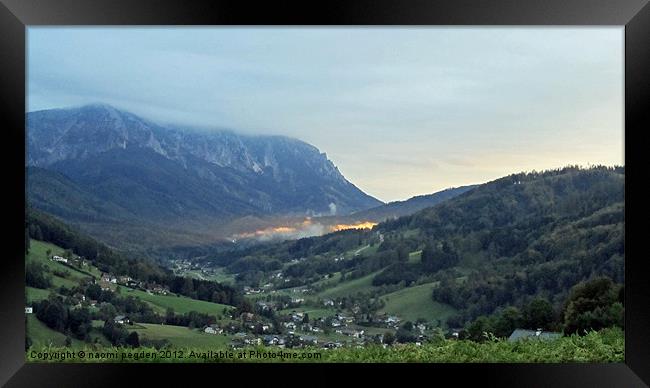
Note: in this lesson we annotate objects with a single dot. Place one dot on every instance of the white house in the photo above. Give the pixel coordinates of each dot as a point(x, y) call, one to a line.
point(213, 329)
point(28, 310)
point(123, 319)
point(59, 259)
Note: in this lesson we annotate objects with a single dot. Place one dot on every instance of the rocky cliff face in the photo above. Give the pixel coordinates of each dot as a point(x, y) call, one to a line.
point(172, 172)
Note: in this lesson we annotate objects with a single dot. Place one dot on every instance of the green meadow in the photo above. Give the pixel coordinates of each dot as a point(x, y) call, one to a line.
point(415, 302)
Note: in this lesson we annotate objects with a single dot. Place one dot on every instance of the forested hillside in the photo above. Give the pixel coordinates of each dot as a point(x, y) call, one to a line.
point(43, 227)
point(504, 243)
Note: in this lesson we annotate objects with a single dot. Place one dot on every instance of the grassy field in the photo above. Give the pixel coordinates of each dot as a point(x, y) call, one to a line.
point(180, 304)
point(415, 302)
point(605, 346)
point(415, 257)
point(36, 294)
point(219, 276)
point(38, 253)
point(41, 335)
point(349, 287)
point(181, 336)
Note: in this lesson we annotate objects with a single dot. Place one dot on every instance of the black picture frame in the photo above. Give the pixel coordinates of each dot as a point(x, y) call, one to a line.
point(16, 15)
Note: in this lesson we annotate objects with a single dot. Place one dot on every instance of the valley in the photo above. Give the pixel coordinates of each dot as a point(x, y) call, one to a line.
point(141, 235)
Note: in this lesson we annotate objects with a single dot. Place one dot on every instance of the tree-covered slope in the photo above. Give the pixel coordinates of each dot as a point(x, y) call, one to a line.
point(502, 243)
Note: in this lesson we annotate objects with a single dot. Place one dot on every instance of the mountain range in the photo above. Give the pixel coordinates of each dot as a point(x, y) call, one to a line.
point(109, 171)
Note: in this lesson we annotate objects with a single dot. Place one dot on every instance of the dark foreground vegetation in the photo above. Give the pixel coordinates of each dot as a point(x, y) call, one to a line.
point(603, 346)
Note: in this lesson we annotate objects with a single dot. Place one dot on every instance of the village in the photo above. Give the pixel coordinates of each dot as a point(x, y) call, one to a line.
point(280, 317)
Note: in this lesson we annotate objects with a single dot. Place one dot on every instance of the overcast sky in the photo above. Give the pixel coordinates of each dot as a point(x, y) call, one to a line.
point(400, 111)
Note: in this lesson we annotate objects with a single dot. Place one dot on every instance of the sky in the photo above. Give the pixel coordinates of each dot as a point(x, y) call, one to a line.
point(400, 111)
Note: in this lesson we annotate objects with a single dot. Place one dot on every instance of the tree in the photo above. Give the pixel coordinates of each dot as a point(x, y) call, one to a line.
point(389, 338)
point(52, 313)
point(79, 322)
point(35, 275)
point(107, 311)
point(188, 287)
point(38, 234)
point(475, 330)
point(93, 291)
point(305, 319)
point(593, 305)
point(402, 254)
point(507, 321)
point(428, 258)
point(404, 336)
point(538, 314)
point(133, 340)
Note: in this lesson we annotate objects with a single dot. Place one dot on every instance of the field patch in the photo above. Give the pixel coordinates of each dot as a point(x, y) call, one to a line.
point(415, 302)
point(180, 336)
point(180, 304)
point(350, 287)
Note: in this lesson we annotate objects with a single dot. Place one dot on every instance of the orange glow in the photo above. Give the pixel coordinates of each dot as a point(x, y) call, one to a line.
point(305, 228)
point(268, 231)
point(359, 225)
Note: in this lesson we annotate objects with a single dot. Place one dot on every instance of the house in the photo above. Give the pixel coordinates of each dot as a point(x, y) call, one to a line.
point(271, 339)
point(92, 302)
point(519, 334)
point(28, 310)
point(328, 302)
point(297, 316)
point(252, 341)
point(123, 319)
point(79, 297)
point(392, 321)
point(306, 327)
point(308, 339)
point(249, 290)
point(124, 279)
point(213, 329)
point(59, 259)
point(105, 286)
point(133, 284)
point(353, 333)
point(343, 318)
point(265, 306)
point(159, 290)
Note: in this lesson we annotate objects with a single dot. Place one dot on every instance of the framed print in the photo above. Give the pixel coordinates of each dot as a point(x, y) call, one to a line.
point(427, 187)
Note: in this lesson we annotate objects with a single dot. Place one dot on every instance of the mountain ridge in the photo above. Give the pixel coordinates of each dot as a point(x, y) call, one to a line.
point(113, 159)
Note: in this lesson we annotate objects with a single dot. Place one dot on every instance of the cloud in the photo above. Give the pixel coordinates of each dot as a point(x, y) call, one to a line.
point(399, 110)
